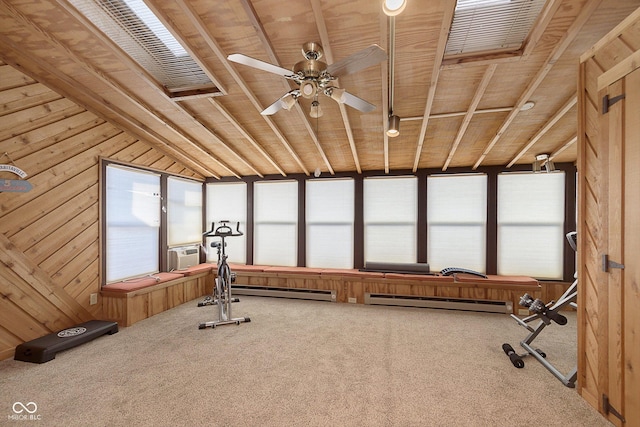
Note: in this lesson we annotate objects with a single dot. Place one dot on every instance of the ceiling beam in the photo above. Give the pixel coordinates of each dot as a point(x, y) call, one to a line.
point(447, 19)
point(67, 87)
point(540, 26)
point(482, 87)
point(266, 43)
point(326, 46)
point(462, 60)
point(194, 121)
point(550, 123)
point(458, 114)
point(135, 67)
point(100, 105)
point(211, 133)
point(563, 147)
point(612, 35)
point(213, 45)
point(246, 135)
point(170, 25)
point(556, 53)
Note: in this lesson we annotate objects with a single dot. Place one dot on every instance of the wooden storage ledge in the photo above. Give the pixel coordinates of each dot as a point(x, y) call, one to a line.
point(130, 301)
point(351, 285)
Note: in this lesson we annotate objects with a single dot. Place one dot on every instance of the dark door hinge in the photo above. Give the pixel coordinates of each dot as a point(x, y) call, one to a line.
point(608, 102)
point(608, 409)
point(607, 264)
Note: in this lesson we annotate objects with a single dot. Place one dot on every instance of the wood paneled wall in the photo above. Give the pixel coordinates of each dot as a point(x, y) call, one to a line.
point(608, 298)
point(49, 236)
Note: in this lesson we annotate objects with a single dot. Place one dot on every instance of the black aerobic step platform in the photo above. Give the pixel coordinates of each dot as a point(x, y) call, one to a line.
point(44, 349)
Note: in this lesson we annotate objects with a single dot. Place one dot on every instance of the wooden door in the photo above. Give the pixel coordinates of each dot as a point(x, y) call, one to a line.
point(631, 246)
point(619, 356)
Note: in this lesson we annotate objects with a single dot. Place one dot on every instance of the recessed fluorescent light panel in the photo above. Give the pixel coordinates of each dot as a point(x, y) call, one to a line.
point(137, 30)
point(491, 25)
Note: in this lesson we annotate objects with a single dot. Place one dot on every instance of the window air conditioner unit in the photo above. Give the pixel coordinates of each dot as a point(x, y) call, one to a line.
point(183, 257)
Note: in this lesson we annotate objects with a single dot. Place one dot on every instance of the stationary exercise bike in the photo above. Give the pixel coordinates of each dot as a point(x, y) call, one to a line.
point(547, 313)
point(224, 278)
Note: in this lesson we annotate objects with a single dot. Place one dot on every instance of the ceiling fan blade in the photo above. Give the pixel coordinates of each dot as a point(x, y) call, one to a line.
point(358, 103)
point(273, 108)
point(360, 60)
point(287, 101)
point(260, 65)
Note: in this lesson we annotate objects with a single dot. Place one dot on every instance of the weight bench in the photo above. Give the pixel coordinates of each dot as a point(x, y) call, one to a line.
point(44, 349)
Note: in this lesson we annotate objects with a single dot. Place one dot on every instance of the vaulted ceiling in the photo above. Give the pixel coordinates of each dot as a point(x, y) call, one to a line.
point(456, 111)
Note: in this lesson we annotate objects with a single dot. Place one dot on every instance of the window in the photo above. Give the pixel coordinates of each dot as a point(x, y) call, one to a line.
point(531, 224)
point(491, 25)
point(457, 221)
point(330, 223)
point(276, 223)
point(184, 212)
point(390, 219)
point(135, 29)
point(529, 240)
point(228, 201)
point(132, 218)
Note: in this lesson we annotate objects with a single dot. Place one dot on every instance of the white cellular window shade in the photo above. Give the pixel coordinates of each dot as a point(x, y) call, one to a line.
point(330, 223)
point(184, 212)
point(132, 223)
point(390, 219)
point(276, 223)
point(491, 25)
point(531, 224)
point(457, 221)
point(137, 31)
point(228, 201)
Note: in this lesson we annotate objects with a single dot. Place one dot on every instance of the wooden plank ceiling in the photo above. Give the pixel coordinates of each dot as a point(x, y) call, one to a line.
point(456, 112)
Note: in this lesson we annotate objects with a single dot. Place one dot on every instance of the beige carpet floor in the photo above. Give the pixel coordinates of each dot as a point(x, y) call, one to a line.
point(303, 363)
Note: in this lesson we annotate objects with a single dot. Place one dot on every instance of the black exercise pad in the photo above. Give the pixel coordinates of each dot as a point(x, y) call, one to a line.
point(44, 349)
point(392, 267)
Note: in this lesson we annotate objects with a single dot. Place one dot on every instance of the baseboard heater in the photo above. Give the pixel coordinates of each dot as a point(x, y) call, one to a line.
point(439, 302)
point(296, 293)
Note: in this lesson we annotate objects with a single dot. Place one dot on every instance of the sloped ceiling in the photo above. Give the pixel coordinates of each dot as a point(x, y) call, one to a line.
point(457, 112)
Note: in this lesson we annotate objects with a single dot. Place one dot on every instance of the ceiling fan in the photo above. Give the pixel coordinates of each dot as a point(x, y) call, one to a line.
point(314, 76)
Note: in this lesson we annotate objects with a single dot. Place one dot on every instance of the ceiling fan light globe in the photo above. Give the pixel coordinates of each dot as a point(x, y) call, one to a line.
point(393, 7)
point(316, 110)
point(288, 101)
point(308, 89)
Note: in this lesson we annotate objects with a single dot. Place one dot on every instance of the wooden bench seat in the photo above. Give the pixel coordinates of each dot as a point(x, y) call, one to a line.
point(130, 301)
point(131, 285)
point(352, 285)
point(197, 269)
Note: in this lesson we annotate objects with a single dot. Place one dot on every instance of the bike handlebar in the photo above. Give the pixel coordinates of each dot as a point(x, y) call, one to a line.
point(223, 230)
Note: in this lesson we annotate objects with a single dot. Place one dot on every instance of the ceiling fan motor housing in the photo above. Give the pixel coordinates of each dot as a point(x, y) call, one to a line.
point(312, 73)
point(312, 50)
point(310, 69)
